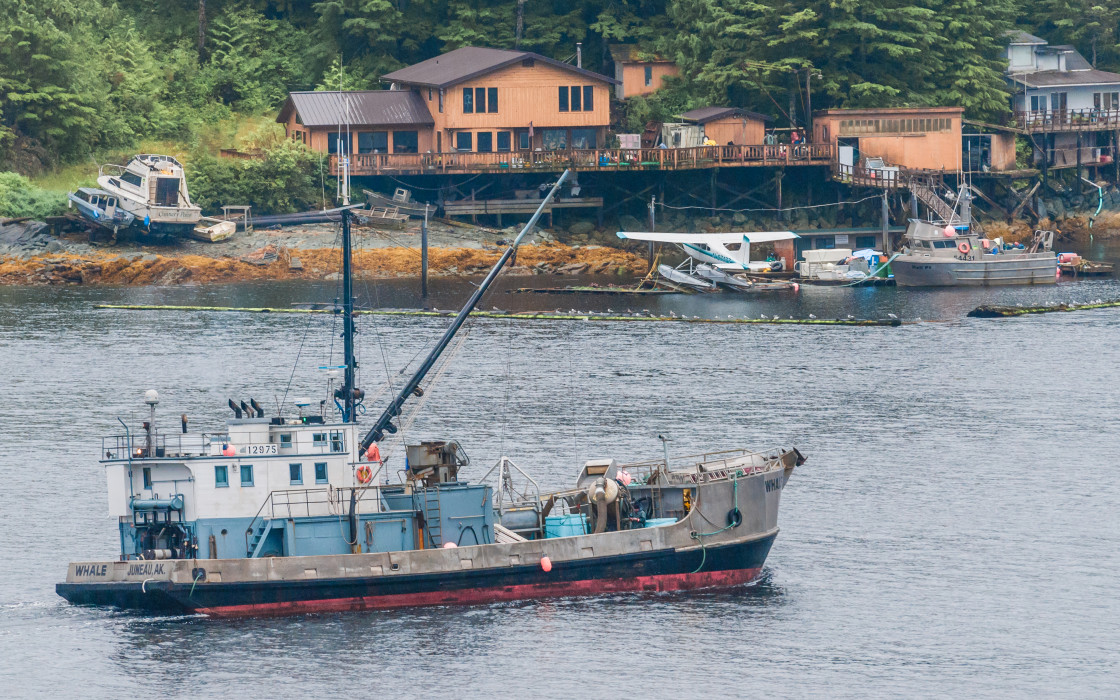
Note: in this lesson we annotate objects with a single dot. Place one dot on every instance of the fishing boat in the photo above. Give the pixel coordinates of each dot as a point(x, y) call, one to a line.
point(292, 511)
point(100, 208)
point(153, 189)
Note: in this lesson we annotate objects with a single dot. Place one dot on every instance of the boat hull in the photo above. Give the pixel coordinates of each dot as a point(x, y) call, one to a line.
point(723, 565)
point(926, 271)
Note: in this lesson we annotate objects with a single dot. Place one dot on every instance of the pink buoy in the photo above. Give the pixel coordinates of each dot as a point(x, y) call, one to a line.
point(228, 451)
point(949, 231)
point(624, 477)
point(546, 564)
point(796, 287)
point(449, 545)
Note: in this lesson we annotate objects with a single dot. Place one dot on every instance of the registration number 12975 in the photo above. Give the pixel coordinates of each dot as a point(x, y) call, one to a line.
point(261, 450)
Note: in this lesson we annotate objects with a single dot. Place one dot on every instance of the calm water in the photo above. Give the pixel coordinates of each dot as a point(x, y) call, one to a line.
point(955, 531)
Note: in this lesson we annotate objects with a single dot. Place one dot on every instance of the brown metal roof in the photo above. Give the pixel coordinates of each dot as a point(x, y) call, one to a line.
point(359, 107)
point(710, 114)
point(471, 61)
point(1069, 78)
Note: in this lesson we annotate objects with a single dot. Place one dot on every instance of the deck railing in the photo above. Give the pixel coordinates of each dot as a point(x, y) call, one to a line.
point(616, 159)
point(162, 445)
point(1068, 120)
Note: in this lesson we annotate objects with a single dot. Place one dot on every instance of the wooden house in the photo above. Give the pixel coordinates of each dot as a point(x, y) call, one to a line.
point(639, 72)
point(914, 138)
point(485, 100)
point(729, 126)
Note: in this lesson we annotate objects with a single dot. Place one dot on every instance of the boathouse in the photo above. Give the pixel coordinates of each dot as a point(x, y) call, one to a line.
point(639, 72)
point(907, 138)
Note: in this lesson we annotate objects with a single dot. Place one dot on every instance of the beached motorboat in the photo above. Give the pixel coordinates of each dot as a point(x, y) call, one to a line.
point(292, 512)
point(401, 199)
point(213, 230)
point(100, 208)
point(153, 189)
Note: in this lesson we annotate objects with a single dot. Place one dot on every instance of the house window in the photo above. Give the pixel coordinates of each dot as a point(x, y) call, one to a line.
point(320, 472)
point(1106, 100)
point(577, 103)
point(563, 98)
point(295, 474)
point(337, 143)
point(429, 94)
point(373, 142)
point(285, 440)
point(221, 477)
point(523, 140)
point(1058, 101)
point(463, 141)
point(649, 75)
point(480, 100)
point(503, 141)
point(492, 99)
point(319, 439)
point(583, 138)
point(336, 441)
point(246, 474)
point(406, 142)
point(441, 101)
point(485, 142)
point(468, 100)
point(554, 139)
point(1038, 103)
point(147, 478)
point(588, 98)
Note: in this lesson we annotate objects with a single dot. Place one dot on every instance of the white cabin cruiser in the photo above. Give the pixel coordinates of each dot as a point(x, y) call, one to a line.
point(153, 188)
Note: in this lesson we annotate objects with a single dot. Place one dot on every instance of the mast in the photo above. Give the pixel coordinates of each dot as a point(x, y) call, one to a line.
point(384, 422)
point(348, 389)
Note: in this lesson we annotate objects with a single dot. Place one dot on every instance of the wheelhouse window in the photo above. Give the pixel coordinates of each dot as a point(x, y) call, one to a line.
point(373, 142)
point(246, 474)
point(295, 474)
point(147, 478)
point(485, 142)
point(336, 441)
point(564, 98)
point(132, 178)
point(320, 472)
point(221, 476)
point(503, 141)
point(464, 141)
point(285, 440)
point(319, 439)
point(480, 100)
point(406, 142)
point(468, 100)
point(492, 99)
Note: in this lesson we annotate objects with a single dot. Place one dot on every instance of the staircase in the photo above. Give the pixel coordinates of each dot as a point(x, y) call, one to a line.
point(257, 537)
point(924, 190)
point(432, 518)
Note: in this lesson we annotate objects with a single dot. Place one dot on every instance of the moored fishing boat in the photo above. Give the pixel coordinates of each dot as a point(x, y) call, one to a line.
point(291, 512)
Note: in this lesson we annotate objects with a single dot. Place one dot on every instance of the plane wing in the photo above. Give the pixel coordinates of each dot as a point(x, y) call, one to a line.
point(721, 238)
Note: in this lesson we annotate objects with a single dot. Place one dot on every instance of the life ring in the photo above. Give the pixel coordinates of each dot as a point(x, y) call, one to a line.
point(964, 247)
point(364, 474)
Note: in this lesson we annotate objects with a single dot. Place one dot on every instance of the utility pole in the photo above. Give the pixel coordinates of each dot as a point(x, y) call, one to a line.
point(424, 258)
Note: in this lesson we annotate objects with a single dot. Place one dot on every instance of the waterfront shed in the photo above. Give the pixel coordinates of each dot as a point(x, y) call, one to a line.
point(729, 125)
point(918, 138)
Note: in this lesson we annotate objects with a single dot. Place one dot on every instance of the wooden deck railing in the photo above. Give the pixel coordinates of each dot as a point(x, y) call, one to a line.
point(611, 159)
point(1068, 120)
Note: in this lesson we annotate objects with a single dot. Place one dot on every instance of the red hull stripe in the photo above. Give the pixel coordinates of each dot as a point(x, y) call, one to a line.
point(470, 596)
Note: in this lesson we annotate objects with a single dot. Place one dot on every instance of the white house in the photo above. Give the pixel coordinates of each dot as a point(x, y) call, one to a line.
point(1057, 79)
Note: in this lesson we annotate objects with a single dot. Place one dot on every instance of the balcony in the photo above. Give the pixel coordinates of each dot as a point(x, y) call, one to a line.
point(602, 159)
point(1048, 121)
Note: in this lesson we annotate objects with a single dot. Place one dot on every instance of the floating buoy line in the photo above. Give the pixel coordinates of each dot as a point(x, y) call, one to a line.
point(522, 316)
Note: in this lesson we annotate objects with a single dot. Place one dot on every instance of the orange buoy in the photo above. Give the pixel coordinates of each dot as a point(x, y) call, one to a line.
point(228, 451)
point(546, 564)
point(364, 474)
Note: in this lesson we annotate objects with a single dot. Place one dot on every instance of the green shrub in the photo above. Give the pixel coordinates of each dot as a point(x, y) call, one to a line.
point(20, 198)
point(284, 179)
